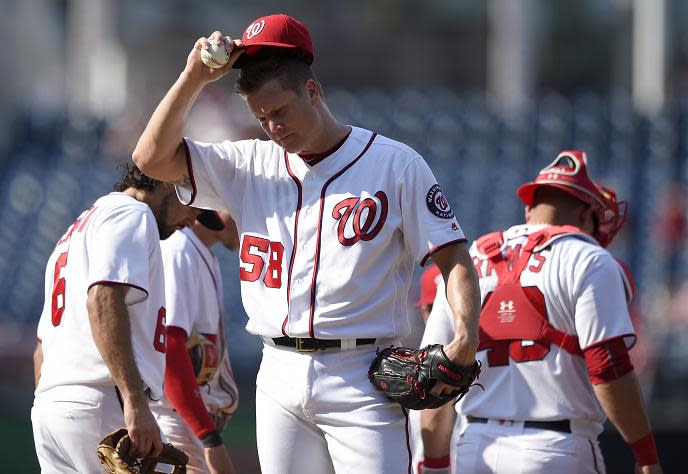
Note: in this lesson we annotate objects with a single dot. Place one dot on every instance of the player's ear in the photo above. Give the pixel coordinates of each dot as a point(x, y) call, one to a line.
point(587, 219)
point(312, 90)
point(527, 211)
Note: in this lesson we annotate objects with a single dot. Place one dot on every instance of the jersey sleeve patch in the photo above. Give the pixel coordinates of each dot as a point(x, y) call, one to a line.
point(437, 203)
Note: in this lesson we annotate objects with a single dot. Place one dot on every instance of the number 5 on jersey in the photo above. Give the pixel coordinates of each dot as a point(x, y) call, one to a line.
point(255, 251)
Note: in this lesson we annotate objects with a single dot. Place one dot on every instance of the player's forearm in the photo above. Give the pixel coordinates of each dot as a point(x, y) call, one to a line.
point(159, 148)
point(181, 387)
point(463, 295)
point(109, 320)
point(623, 403)
point(436, 426)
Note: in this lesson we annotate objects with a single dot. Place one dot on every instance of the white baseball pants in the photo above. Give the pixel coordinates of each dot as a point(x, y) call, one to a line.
point(318, 412)
point(509, 448)
point(180, 435)
point(68, 422)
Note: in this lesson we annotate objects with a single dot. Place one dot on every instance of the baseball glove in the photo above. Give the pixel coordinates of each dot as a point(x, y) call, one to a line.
point(113, 451)
point(205, 358)
point(407, 376)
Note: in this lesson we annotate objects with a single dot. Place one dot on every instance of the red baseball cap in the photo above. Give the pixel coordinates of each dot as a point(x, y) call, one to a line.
point(211, 220)
point(428, 285)
point(275, 31)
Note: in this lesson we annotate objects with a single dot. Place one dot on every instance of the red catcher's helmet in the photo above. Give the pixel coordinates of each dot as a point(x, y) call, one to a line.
point(613, 218)
point(569, 172)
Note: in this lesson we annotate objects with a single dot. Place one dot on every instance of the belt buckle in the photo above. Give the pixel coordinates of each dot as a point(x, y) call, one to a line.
point(300, 348)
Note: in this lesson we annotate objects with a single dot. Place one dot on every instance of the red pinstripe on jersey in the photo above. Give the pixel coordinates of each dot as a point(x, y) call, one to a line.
point(319, 235)
point(299, 188)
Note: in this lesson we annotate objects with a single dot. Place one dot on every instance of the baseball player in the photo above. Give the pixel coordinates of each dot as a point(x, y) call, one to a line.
point(102, 330)
point(554, 339)
point(331, 219)
point(192, 416)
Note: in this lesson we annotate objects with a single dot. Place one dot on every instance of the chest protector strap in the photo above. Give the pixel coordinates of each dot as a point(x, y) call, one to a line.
point(510, 312)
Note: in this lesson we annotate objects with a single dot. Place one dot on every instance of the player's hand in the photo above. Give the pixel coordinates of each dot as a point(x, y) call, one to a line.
point(218, 461)
point(462, 352)
point(143, 429)
point(654, 469)
point(202, 73)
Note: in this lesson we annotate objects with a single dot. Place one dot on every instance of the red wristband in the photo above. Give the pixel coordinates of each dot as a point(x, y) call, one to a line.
point(645, 450)
point(436, 463)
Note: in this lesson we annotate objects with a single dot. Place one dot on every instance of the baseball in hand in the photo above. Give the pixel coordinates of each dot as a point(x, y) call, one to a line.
point(215, 56)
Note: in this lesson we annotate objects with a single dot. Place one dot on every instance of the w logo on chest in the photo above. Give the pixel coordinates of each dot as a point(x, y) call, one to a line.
point(360, 219)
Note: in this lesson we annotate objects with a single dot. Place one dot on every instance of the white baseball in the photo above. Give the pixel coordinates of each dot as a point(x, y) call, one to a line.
point(215, 56)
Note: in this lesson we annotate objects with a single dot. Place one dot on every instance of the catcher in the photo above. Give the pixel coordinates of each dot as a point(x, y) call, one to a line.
point(200, 392)
point(554, 339)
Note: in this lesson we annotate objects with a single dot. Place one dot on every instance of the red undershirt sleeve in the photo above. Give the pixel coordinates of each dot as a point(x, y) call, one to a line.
point(608, 360)
point(181, 387)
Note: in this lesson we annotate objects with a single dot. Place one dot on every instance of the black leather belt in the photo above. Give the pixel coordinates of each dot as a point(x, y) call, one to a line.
point(308, 344)
point(562, 426)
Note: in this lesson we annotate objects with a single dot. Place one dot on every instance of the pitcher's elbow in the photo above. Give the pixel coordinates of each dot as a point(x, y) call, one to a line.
point(140, 159)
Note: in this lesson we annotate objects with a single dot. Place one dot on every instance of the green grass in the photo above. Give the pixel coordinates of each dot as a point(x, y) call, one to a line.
point(17, 452)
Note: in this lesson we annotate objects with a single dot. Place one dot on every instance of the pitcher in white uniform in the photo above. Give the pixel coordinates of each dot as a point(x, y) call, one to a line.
point(331, 219)
point(192, 416)
point(554, 339)
point(101, 350)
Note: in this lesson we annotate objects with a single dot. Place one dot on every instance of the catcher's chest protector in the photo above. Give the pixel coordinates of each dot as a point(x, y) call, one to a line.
point(512, 312)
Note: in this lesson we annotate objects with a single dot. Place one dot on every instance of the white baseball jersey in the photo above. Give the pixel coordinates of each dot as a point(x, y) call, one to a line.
point(326, 250)
point(115, 241)
point(584, 295)
point(193, 286)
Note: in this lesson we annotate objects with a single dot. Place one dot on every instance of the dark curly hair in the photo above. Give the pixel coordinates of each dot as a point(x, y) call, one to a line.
point(132, 177)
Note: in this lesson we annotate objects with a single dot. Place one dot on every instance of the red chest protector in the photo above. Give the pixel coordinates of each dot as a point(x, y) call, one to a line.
point(511, 312)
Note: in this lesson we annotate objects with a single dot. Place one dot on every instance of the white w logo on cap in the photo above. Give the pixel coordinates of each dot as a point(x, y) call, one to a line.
point(255, 29)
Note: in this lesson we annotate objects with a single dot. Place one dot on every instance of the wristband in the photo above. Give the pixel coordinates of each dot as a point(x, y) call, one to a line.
point(212, 440)
point(645, 450)
point(434, 465)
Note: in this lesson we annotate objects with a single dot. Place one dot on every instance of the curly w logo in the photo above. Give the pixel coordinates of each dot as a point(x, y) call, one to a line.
point(366, 221)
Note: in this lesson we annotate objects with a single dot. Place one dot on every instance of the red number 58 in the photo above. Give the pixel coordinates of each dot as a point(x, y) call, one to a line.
point(254, 251)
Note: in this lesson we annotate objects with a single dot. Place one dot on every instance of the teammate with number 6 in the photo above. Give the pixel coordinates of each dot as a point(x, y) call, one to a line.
point(100, 358)
point(331, 219)
point(554, 339)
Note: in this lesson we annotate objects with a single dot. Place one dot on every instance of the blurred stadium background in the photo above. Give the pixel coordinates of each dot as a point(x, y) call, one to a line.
point(488, 92)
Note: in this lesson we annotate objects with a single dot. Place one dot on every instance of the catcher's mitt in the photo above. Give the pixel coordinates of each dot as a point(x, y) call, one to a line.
point(205, 358)
point(408, 375)
point(113, 451)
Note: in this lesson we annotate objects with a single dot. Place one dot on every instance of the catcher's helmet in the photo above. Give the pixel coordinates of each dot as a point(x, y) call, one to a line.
point(569, 172)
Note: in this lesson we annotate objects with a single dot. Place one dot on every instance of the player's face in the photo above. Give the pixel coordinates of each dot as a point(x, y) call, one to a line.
point(288, 118)
point(172, 215)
